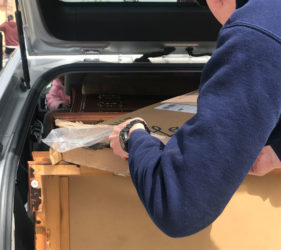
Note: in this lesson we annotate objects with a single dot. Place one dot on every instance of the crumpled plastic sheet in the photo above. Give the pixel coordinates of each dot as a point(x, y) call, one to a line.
point(65, 139)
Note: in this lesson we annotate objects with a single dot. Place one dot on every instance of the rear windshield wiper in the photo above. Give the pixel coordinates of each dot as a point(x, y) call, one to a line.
point(189, 51)
point(145, 57)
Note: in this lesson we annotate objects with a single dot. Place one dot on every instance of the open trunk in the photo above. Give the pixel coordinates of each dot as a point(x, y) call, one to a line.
point(75, 207)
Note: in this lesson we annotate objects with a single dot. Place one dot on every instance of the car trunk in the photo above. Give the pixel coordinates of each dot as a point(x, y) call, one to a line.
point(77, 207)
point(86, 209)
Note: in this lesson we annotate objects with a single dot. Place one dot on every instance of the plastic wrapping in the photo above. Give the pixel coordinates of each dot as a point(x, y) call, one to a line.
point(80, 145)
point(65, 139)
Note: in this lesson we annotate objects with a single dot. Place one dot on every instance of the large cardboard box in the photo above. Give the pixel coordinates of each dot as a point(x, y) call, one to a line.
point(163, 119)
point(96, 210)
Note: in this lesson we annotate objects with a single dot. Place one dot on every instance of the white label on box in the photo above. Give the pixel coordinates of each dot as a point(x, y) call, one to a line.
point(178, 107)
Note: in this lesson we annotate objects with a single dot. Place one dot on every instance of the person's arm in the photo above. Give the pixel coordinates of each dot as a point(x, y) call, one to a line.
point(186, 184)
point(3, 27)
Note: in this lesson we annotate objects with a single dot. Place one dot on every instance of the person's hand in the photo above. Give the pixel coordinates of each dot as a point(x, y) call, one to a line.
point(265, 162)
point(114, 137)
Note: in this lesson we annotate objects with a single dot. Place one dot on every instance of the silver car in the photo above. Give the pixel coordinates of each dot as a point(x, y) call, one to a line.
point(128, 53)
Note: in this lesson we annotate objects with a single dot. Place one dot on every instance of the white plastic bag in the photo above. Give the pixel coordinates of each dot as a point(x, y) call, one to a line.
point(65, 139)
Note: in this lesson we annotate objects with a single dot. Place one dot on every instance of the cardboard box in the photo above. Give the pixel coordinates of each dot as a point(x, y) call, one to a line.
point(163, 119)
point(188, 98)
point(96, 211)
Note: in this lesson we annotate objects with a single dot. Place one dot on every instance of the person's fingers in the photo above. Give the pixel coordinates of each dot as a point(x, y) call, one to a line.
point(116, 148)
point(265, 162)
point(115, 142)
point(110, 137)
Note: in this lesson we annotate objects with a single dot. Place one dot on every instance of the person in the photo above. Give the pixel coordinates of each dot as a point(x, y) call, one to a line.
point(11, 35)
point(56, 98)
point(186, 184)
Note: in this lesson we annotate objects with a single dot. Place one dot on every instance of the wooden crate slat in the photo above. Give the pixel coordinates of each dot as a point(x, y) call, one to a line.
point(64, 216)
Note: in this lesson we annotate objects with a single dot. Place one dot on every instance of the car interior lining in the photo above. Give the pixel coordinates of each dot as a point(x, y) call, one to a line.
point(129, 21)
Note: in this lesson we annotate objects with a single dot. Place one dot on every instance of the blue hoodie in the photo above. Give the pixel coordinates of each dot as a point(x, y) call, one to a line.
point(186, 184)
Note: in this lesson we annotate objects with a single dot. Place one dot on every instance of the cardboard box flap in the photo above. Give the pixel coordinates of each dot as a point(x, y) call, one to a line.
point(160, 121)
point(188, 98)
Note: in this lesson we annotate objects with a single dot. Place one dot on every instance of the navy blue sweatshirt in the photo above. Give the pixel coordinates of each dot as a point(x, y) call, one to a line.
point(186, 184)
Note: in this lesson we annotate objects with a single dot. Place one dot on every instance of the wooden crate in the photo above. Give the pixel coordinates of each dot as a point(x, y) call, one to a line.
point(252, 219)
point(48, 188)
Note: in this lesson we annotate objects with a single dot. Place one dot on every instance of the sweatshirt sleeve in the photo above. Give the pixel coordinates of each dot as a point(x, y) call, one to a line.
point(186, 184)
